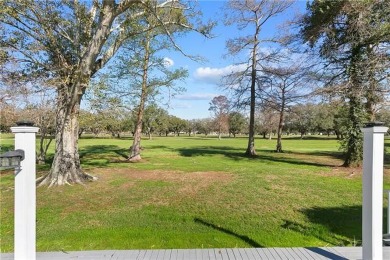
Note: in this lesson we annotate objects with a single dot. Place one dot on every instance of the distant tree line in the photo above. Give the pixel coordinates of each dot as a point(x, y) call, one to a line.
point(301, 120)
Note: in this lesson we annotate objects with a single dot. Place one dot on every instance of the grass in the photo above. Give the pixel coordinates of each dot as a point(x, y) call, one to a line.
point(198, 192)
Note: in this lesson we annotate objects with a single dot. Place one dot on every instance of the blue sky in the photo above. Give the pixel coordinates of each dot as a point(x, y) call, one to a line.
point(202, 83)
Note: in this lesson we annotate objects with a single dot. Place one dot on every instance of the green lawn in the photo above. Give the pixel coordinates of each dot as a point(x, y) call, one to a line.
point(198, 192)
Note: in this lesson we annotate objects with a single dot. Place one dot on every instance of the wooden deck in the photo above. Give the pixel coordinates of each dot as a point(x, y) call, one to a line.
point(308, 253)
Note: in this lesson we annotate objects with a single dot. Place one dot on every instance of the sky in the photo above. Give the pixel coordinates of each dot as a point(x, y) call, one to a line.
point(202, 83)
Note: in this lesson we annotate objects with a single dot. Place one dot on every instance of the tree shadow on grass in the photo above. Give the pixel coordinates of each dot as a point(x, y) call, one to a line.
point(342, 225)
point(151, 147)
point(293, 161)
point(322, 158)
point(333, 154)
point(244, 238)
point(91, 154)
point(102, 155)
point(262, 155)
point(310, 137)
point(227, 151)
point(6, 147)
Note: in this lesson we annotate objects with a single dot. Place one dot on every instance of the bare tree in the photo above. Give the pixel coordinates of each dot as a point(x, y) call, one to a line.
point(251, 14)
point(219, 106)
point(283, 85)
point(266, 122)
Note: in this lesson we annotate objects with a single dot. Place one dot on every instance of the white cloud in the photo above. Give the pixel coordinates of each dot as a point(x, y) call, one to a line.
point(196, 96)
point(168, 62)
point(181, 105)
point(214, 75)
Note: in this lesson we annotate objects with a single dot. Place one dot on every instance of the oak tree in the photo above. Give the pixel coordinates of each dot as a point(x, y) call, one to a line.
point(68, 42)
point(353, 37)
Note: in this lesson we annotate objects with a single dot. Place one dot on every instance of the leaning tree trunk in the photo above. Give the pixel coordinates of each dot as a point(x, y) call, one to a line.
point(66, 167)
point(43, 147)
point(135, 149)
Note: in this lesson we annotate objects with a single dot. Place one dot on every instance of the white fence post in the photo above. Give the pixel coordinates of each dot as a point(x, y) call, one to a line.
point(25, 192)
point(373, 147)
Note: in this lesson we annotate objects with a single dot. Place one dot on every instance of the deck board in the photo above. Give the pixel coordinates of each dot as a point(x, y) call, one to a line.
point(304, 252)
point(173, 255)
point(274, 253)
point(267, 253)
point(211, 254)
point(285, 254)
point(245, 254)
point(295, 253)
point(253, 254)
point(262, 254)
point(223, 253)
point(218, 254)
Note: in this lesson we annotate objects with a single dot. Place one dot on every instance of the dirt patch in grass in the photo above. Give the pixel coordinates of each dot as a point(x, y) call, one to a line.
point(182, 183)
point(155, 175)
point(351, 172)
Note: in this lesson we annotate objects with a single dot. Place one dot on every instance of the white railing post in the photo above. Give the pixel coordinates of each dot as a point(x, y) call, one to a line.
point(373, 147)
point(25, 192)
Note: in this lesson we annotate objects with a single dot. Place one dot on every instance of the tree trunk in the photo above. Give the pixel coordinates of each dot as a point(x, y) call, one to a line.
point(43, 147)
point(41, 157)
point(353, 142)
point(135, 149)
point(338, 137)
point(372, 98)
point(280, 128)
point(80, 132)
point(250, 150)
point(66, 168)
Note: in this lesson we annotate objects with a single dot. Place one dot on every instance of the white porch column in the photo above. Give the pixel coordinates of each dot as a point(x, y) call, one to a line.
point(25, 192)
point(373, 147)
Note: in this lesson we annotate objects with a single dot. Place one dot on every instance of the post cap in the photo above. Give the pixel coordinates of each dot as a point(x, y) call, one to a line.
point(25, 123)
point(372, 124)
